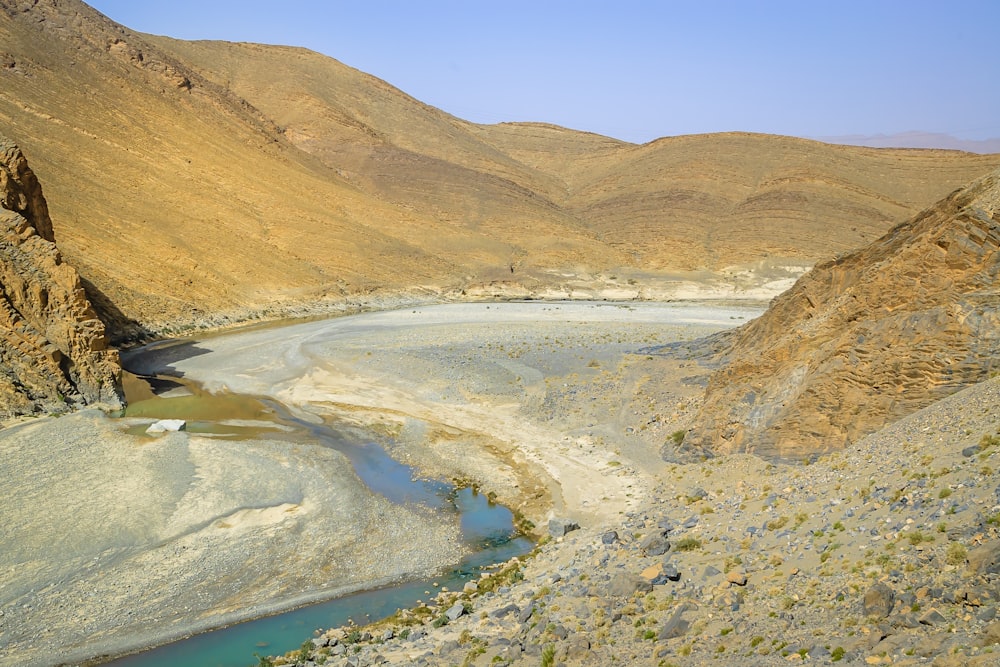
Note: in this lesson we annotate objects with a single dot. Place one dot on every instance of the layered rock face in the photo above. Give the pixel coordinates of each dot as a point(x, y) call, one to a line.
point(53, 349)
point(866, 338)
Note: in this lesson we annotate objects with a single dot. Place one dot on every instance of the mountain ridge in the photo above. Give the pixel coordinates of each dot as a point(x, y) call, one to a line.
point(865, 338)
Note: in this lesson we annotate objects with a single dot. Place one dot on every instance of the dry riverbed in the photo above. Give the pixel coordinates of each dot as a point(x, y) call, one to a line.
point(113, 539)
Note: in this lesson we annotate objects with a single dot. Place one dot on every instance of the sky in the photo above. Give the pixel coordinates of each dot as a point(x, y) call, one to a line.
point(639, 70)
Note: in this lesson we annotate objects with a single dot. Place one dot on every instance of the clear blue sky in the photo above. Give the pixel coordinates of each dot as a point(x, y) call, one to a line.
point(638, 70)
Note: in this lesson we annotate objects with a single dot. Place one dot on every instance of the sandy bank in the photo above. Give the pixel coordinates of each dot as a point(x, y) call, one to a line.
point(533, 400)
point(112, 541)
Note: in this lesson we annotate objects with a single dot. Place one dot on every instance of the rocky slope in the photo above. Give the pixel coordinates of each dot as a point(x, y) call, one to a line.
point(866, 338)
point(327, 184)
point(53, 349)
point(884, 553)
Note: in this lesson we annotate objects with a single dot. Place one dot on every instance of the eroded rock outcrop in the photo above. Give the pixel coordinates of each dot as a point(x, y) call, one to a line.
point(866, 338)
point(53, 349)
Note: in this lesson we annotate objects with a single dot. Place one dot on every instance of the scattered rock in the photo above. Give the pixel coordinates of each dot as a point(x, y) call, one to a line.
point(675, 626)
point(932, 617)
point(985, 559)
point(879, 601)
point(737, 576)
point(455, 611)
point(560, 527)
point(654, 545)
point(626, 584)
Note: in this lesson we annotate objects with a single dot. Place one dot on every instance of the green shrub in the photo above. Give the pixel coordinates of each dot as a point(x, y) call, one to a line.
point(688, 544)
point(956, 554)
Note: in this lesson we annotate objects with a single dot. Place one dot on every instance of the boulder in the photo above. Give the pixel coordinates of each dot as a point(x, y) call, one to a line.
point(455, 611)
point(167, 425)
point(655, 544)
point(675, 626)
point(879, 601)
point(985, 559)
point(559, 527)
point(737, 576)
point(627, 584)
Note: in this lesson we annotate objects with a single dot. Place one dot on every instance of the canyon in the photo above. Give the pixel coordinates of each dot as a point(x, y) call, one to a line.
point(199, 186)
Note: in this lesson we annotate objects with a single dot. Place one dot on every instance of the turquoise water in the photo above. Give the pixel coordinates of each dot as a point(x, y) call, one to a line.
point(486, 527)
point(483, 523)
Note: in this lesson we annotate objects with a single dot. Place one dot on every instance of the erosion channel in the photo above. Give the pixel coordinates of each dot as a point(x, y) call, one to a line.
point(295, 480)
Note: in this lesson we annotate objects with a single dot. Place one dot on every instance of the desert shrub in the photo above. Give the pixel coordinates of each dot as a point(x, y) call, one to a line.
point(956, 554)
point(688, 544)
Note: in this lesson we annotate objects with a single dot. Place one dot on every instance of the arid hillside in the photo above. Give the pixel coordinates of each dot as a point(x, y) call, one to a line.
point(198, 182)
point(867, 338)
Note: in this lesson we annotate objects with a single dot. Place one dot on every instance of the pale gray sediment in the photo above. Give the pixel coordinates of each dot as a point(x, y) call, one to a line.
point(113, 542)
point(120, 541)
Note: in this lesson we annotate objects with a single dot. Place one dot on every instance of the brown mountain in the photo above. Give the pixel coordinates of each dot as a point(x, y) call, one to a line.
point(192, 180)
point(53, 349)
point(866, 338)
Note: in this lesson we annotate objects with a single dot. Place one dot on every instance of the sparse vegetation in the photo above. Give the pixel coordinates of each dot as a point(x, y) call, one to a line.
point(687, 544)
point(956, 554)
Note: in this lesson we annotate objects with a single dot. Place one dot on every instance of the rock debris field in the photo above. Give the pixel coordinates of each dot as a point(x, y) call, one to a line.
point(884, 553)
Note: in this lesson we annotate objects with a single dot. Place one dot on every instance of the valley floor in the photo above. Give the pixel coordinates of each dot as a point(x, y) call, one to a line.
point(113, 538)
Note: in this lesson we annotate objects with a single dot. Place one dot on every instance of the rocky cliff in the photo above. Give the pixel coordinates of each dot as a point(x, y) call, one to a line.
point(866, 338)
point(53, 349)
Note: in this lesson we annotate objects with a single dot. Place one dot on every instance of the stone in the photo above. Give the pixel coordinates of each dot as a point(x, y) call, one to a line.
point(879, 601)
point(610, 537)
point(985, 559)
point(455, 611)
point(654, 545)
point(578, 647)
point(652, 573)
point(626, 584)
point(737, 576)
point(167, 425)
point(560, 527)
point(526, 613)
point(675, 626)
point(506, 610)
point(990, 634)
point(932, 617)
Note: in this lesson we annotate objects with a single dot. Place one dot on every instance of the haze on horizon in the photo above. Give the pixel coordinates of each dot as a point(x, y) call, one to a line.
point(642, 70)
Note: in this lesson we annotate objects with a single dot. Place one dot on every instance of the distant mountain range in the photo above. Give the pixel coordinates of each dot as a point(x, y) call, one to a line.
point(917, 139)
